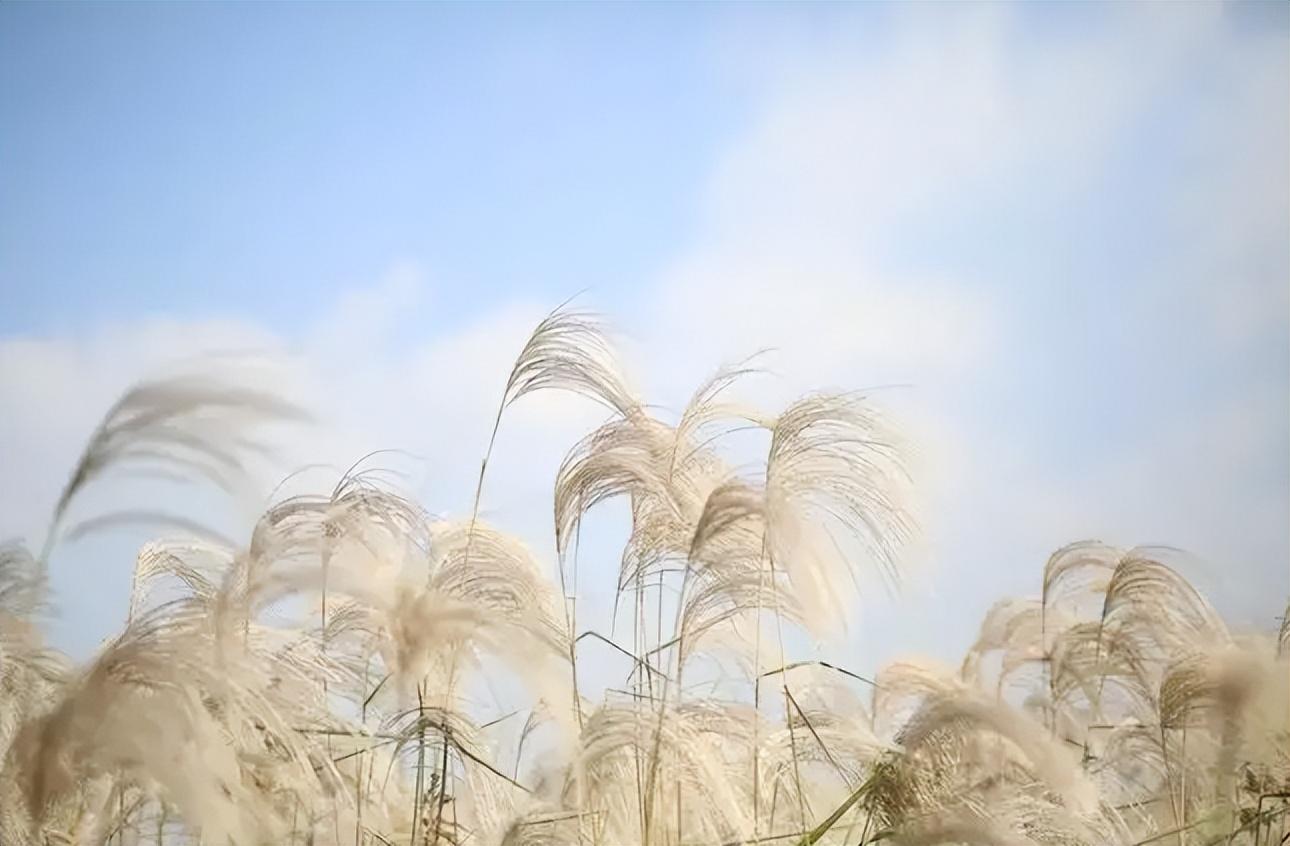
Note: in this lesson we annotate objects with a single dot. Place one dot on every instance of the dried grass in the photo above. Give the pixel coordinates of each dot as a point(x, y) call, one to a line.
point(318, 683)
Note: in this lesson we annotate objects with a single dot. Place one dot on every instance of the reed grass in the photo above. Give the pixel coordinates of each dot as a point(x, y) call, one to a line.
point(317, 683)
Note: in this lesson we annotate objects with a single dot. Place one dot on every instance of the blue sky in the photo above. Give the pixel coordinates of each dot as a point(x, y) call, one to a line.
point(1062, 227)
point(225, 158)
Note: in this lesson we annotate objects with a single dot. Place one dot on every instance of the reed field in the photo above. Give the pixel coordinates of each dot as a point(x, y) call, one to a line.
point(333, 677)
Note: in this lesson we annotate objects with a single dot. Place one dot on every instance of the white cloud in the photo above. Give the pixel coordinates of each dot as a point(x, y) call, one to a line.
point(433, 399)
point(855, 151)
point(54, 390)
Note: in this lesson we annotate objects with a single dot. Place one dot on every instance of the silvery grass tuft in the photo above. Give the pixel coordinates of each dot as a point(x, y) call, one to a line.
point(319, 682)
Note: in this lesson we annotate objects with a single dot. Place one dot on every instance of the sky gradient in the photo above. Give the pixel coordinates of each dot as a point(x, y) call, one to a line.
point(1061, 230)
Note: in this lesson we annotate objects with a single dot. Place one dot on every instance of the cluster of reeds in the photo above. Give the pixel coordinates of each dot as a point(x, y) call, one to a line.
point(325, 681)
